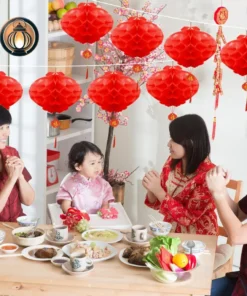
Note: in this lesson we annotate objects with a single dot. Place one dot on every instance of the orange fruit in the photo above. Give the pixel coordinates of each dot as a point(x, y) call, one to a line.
point(180, 259)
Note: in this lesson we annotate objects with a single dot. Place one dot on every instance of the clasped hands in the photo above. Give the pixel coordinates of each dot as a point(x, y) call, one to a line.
point(151, 181)
point(14, 167)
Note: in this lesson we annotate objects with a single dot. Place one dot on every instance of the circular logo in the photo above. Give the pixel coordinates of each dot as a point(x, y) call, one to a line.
point(19, 36)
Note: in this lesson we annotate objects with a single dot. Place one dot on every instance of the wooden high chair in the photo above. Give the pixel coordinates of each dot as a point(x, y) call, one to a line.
point(227, 267)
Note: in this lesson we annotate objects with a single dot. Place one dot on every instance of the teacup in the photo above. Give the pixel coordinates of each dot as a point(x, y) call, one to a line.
point(139, 233)
point(59, 233)
point(80, 262)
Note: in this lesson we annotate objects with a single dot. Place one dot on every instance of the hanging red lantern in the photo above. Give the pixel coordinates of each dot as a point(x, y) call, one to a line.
point(234, 55)
point(87, 23)
point(190, 47)
point(172, 86)
point(10, 90)
point(114, 91)
point(137, 37)
point(55, 92)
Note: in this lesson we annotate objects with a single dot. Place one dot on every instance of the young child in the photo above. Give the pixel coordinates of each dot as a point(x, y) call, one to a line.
point(85, 189)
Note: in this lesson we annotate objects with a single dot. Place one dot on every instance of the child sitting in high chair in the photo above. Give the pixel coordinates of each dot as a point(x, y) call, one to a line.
point(85, 189)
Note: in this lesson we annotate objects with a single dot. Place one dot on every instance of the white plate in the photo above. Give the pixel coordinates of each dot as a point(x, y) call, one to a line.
point(125, 260)
point(63, 242)
point(66, 249)
point(122, 222)
point(67, 268)
point(29, 252)
point(128, 238)
point(199, 247)
point(109, 241)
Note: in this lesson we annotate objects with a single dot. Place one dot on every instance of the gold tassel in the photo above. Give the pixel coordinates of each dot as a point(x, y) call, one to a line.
point(114, 142)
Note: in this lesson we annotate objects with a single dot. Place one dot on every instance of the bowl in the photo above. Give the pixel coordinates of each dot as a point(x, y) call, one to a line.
point(166, 228)
point(168, 277)
point(9, 248)
point(28, 241)
point(2, 236)
point(59, 261)
point(27, 221)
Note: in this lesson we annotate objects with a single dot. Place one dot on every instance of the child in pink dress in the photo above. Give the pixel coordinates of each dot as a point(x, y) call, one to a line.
point(85, 189)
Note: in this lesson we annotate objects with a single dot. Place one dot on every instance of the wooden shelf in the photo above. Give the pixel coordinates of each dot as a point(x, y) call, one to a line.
point(54, 188)
point(58, 33)
point(69, 133)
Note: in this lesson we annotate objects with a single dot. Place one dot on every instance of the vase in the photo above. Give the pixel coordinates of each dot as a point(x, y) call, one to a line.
point(118, 192)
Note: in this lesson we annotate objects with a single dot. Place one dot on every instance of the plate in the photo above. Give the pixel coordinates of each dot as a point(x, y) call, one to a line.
point(199, 247)
point(67, 268)
point(128, 238)
point(125, 260)
point(89, 233)
point(63, 242)
point(102, 245)
point(29, 252)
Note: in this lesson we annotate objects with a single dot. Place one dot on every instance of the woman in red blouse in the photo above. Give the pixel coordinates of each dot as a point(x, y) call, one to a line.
point(231, 216)
point(14, 187)
point(180, 193)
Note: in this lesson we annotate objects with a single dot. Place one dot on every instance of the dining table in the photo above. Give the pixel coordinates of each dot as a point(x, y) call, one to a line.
point(23, 277)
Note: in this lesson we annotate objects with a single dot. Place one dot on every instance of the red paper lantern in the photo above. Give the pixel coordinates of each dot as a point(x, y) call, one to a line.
point(137, 37)
point(10, 90)
point(114, 91)
point(87, 23)
point(190, 47)
point(55, 92)
point(172, 86)
point(234, 55)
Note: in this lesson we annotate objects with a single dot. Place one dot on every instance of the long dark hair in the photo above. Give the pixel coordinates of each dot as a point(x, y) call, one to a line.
point(78, 152)
point(5, 116)
point(190, 131)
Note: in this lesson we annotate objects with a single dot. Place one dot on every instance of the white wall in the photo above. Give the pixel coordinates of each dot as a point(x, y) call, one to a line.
point(143, 142)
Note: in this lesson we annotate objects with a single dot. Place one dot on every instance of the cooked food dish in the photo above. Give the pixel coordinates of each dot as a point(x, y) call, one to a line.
point(104, 235)
point(91, 251)
point(28, 234)
point(135, 255)
point(45, 253)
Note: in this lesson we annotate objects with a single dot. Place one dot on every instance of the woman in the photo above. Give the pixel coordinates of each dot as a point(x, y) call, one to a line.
point(14, 187)
point(231, 216)
point(181, 193)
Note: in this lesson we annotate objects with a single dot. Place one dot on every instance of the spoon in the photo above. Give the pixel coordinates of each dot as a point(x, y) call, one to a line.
point(190, 245)
point(31, 232)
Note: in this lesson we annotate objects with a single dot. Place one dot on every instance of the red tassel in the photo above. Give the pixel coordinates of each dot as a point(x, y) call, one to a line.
point(87, 73)
point(214, 128)
point(55, 142)
point(114, 142)
point(216, 101)
point(246, 105)
point(190, 100)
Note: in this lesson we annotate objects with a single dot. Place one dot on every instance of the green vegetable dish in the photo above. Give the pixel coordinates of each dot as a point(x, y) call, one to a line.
point(104, 235)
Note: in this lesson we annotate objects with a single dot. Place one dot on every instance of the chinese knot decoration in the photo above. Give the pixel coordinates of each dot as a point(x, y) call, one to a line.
point(172, 86)
point(75, 219)
point(114, 91)
point(10, 90)
point(190, 47)
point(220, 17)
point(55, 92)
point(234, 56)
point(87, 23)
point(137, 37)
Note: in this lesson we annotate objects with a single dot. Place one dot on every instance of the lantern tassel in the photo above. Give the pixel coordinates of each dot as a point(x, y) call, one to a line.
point(214, 128)
point(55, 142)
point(246, 105)
point(114, 142)
point(216, 101)
point(87, 73)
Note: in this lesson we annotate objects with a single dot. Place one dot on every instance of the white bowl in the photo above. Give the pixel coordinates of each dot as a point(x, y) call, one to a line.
point(14, 246)
point(26, 221)
point(28, 241)
point(166, 228)
point(2, 236)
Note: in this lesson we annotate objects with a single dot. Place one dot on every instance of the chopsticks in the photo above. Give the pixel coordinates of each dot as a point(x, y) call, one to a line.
point(6, 225)
point(156, 223)
point(10, 255)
